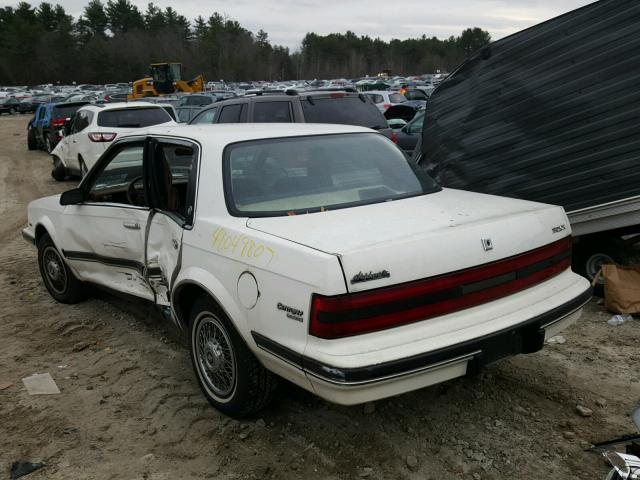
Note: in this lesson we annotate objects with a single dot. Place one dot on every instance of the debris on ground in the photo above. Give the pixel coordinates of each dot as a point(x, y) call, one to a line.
point(5, 385)
point(619, 319)
point(20, 469)
point(40, 384)
point(412, 461)
point(559, 339)
point(583, 411)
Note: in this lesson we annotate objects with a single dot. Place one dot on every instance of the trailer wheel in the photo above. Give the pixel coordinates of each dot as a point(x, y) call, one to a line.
point(590, 254)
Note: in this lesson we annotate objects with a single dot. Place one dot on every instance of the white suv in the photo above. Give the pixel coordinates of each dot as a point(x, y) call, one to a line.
point(385, 99)
point(317, 253)
point(92, 129)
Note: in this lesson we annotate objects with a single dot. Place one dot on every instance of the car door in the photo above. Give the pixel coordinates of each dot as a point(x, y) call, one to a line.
point(103, 238)
point(171, 170)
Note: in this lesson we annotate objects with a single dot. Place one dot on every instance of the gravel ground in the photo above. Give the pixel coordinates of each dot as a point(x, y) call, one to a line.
point(130, 407)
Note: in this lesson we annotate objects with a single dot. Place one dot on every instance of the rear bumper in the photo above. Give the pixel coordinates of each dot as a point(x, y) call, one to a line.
point(366, 383)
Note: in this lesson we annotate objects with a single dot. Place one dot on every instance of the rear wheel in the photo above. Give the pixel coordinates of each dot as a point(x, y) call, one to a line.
point(229, 375)
point(32, 142)
point(58, 278)
point(59, 172)
point(83, 167)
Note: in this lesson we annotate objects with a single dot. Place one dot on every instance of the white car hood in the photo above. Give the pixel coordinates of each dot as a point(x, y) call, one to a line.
point(422, 236)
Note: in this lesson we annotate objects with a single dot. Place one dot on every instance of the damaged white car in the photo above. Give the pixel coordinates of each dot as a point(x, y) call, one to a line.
point(316, 253)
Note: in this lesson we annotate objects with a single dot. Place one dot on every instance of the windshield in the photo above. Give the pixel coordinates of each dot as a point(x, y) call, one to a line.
point(292, 176)
point(65, 112)
point(133, 117)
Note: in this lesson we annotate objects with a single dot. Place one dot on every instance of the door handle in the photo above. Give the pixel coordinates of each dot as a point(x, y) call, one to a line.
point(131, 225)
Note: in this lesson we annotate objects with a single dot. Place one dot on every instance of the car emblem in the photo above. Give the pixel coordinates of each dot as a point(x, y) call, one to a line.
point(487, 244)
point(367, 277)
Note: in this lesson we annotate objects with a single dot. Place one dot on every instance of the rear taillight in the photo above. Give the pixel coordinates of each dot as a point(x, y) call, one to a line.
point(336, 95)
point(386, 106)
point(57, 122)
point(101, 137)
point(357, 313)
point(394, 137)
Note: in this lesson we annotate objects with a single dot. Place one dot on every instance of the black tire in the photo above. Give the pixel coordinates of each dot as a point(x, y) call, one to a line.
point(60, 281)
point(48, 146)
point(590, 253)
point(59, 172)
point(230, 376)
point(32, 142)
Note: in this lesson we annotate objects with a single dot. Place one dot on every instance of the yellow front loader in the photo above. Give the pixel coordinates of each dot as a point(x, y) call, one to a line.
point(165, 79)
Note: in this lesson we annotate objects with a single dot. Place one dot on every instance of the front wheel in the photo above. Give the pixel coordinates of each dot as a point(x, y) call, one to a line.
point(60, 281)
point(229, 375)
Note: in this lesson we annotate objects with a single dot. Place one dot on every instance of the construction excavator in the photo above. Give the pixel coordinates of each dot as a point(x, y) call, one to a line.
point(165, 79)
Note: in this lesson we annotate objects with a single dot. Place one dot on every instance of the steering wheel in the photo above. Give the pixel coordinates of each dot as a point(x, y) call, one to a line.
point(133, 191)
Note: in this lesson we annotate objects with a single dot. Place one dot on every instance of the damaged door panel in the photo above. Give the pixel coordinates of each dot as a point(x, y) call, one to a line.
point(164, 251)
point(104, 236)
point(171, 173)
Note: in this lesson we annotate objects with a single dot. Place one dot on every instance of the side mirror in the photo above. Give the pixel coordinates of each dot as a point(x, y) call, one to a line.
point(72, 197)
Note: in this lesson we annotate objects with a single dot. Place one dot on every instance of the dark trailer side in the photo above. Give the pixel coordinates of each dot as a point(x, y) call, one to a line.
point(550, 114)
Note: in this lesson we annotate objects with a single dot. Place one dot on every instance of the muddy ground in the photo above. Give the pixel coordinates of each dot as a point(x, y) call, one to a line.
point(130, 407)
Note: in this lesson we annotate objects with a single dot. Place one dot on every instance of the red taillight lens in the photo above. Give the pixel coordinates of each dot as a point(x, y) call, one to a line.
point(386, 106)
point(57, 122)
point(353, 314)
point(336, 95)
point(101, 137)
point(394, 137)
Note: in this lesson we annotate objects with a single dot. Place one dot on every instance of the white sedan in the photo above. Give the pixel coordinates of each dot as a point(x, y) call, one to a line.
point(92, 129)
point(316, 253)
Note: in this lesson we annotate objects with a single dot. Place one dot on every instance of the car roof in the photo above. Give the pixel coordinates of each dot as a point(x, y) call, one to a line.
point(120, 106)
point(225, 133)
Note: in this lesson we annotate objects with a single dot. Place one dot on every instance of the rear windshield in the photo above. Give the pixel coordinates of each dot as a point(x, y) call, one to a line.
point(65, 112)
point(343, 110)
point(133, 117)
point(397, 98)
point(293, 176)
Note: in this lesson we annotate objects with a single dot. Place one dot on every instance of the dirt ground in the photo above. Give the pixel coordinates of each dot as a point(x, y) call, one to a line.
point(130, 407)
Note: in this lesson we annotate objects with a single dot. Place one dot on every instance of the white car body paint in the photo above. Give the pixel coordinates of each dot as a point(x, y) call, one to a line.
point(78, 145)
point(293, 257)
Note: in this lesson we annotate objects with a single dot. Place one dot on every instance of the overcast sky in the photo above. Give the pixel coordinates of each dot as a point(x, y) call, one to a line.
point(287, 21)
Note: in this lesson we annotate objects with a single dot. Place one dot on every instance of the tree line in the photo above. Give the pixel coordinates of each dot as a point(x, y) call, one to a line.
point(116, 41)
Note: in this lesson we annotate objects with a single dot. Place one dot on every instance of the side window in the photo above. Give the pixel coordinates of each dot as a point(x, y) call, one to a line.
point(376, 98)
point(174, 175)
point(276, 112)
point(207, 116)
point(75, 122)
point(80, 122)
point(120, 181)
point(231, 113)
